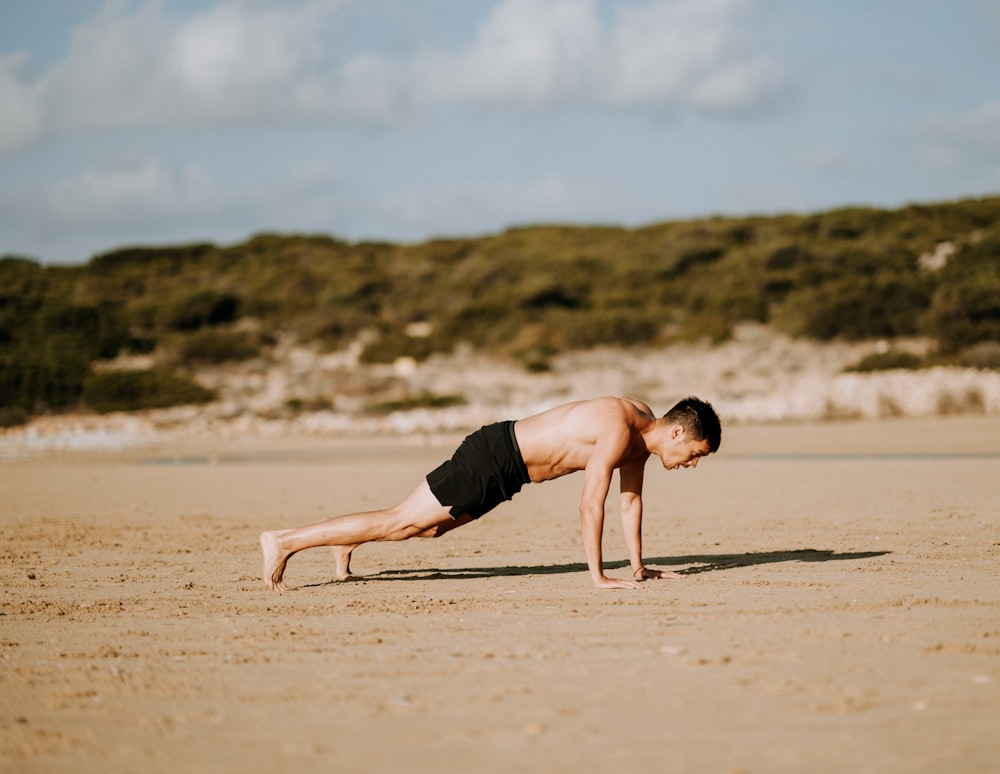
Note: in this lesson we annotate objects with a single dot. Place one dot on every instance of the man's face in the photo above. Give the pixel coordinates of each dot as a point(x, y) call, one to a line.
point(684, 452)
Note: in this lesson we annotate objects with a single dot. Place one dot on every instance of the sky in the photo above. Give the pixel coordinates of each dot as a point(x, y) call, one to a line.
point(132, 122)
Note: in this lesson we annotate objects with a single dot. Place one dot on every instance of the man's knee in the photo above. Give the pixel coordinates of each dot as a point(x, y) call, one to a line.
point(444, 527)
point(405, 532)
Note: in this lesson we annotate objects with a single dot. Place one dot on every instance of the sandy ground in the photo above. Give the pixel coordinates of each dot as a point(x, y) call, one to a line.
point(840, 610)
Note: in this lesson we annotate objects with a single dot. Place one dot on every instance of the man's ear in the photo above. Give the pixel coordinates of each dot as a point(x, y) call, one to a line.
point(676, 432)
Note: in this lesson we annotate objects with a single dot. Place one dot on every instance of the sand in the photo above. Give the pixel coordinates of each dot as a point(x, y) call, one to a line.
point(840, 610)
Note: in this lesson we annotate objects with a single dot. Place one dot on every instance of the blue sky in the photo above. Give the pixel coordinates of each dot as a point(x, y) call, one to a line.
point(127, 122)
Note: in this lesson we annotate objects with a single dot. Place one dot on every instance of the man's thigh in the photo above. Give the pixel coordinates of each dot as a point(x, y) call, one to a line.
point(422, 509)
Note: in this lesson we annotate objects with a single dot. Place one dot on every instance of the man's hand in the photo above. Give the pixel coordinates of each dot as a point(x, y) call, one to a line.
point(604, 582)
point(644, 573)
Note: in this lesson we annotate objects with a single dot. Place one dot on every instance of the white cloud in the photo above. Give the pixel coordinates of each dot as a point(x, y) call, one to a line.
point(129, 197)
point(135, 197)
point(230, 52)
point(238, 62)
point(127, 191)
point(966, 138)
point(664, 54)
point(980, 128)
point(21, 118)
point(822, 157)
point(130, 189)
point(243, 61)
point(690, 51)
point(525, 51)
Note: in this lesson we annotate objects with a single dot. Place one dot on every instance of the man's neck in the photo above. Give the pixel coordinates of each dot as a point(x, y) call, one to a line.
point(656, 435)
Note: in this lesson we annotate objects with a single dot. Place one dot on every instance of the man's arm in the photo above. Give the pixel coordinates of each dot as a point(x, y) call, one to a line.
point(630, 506)
point(596, 484)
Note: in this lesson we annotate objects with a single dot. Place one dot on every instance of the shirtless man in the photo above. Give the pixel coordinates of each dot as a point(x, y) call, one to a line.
point(596, 436)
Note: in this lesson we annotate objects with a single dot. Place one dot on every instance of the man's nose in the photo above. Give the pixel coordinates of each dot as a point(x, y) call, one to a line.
point(692, 463)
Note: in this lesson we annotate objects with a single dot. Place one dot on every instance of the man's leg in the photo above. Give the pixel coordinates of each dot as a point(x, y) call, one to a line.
point(342, 554)
point(419, 514)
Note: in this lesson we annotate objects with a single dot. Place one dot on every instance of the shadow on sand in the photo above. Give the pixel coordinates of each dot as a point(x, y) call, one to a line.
point(698, 563)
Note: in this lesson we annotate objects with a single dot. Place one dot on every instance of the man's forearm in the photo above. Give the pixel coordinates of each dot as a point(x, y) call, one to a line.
point(592, 527)
point(631, 514)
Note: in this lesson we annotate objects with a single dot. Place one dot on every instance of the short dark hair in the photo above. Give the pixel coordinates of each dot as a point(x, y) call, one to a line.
point(698, 419)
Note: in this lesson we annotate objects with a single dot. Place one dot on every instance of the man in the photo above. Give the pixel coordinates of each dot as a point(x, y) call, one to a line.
point(596, 436)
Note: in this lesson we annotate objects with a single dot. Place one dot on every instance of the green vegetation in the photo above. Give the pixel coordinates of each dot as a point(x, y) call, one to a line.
point(136, 390)
point(985, 355)
point(218, 346)
point(885, 361)
point(423, 400)
point(527, 293)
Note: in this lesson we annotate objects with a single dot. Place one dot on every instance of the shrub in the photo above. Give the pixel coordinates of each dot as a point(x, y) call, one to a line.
point(886, 361)
point(47, 377)
point(966, 312)
point(47, 342)
point(161, 260)
point(100, 331)
point(704, 327)
point(984, 355)
point(394, 344)
point(855, 307)
point(965, 308)
point(617, 327)
point(11, 417)
point(215, 346)
point(423, 400)
point(198, 308)
point(138, 390)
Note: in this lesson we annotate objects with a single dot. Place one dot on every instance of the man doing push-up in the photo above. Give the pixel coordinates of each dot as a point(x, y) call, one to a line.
point(596, 436)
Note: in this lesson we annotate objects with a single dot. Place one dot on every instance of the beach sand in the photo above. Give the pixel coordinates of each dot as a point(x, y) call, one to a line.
point(840, 610)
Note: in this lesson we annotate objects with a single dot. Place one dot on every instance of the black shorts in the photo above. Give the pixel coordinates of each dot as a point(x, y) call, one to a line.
point(486, 470)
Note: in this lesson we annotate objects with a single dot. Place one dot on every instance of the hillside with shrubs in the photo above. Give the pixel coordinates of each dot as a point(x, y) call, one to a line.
point(525, 296)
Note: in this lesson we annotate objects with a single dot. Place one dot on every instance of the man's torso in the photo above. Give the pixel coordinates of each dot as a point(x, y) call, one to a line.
point(561, 440)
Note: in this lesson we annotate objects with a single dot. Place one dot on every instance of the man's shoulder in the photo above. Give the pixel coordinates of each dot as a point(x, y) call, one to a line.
point(637, 405)
point(611, 402)
point(618, 420)
point(627, 410)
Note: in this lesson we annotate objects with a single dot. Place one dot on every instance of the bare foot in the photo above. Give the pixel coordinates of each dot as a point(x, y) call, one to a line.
point(342, 560)
point(274, 561)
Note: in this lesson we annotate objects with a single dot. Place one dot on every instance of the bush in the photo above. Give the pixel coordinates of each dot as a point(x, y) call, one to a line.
point(12, 417)
point(100, 331)
point(855, 307)
point(886, 361)
point(615, 327)
point(965, 308)
point(985, 355)
point(704, 327)
point(143, 260)
point(48, 342)
point(423, 400)
point(394, 344)
point(215, 346)
point(138, 390)
point(198, 308)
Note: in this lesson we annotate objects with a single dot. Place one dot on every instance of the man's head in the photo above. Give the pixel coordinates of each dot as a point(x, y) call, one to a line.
point(695, 431)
